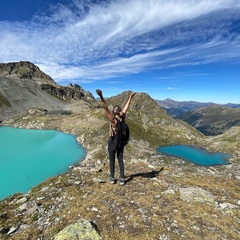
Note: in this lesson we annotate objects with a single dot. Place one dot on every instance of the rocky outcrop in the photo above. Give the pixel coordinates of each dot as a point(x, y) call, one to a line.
point(67, 93)
point(194, 194)
point(23, 86)
point(25, 70)
point(82, 229)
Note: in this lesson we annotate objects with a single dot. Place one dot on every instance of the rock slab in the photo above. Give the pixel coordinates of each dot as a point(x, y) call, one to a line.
point(82, 229)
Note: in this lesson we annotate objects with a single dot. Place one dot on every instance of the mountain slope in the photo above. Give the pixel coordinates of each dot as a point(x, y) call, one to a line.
point(25, 70)
point(149, 121)
point(23, 86)
point(213, 120)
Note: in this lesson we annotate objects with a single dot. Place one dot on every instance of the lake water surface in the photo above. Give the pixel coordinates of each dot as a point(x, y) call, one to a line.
point(29, 157)
point(195, 155)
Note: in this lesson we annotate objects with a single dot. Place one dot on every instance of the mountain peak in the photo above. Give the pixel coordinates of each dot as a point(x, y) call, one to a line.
point(25, 70)
point(24, 86)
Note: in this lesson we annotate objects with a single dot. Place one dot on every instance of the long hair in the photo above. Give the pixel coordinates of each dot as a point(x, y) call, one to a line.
point(116, 109)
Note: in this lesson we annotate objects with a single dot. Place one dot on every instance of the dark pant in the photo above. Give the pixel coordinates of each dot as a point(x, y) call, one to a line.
point(112, 150)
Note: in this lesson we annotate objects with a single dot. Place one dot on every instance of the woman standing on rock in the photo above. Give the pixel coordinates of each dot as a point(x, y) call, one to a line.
point(117, 119)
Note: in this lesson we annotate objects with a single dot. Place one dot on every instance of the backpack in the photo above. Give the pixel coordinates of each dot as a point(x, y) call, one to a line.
point(123, 134)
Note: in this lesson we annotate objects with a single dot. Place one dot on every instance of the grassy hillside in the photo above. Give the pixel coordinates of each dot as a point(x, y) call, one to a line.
point(213, 120)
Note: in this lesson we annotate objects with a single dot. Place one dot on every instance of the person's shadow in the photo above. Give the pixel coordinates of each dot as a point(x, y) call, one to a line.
point(151, 174)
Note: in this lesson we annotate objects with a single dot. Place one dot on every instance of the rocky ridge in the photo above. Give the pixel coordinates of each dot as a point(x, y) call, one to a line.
point(23, 86)
point(25, 70)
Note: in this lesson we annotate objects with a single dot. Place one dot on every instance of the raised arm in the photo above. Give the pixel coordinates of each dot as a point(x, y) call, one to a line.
point(108, 113)
point(128, 102)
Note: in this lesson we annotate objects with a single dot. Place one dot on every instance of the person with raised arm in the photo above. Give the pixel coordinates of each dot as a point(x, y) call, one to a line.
point(118, 135)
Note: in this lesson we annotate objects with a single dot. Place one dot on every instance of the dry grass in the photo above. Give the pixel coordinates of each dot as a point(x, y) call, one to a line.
point(138, 210)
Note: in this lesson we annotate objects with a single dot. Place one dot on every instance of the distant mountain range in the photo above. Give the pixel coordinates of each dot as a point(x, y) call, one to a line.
point(209, 118)
point(177, 108)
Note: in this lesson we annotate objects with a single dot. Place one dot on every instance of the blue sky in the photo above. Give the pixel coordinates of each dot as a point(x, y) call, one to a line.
point(179, 49)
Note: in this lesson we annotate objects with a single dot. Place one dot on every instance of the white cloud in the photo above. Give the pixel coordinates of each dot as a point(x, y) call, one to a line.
point(119, 38)
point(172, 88)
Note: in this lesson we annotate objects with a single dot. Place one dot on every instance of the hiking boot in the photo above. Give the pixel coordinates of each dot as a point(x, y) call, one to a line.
point(121, 181)
point(111, 180)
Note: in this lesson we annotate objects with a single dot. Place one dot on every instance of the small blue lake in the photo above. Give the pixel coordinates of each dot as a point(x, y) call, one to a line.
point(29, 157)
point(198, 156)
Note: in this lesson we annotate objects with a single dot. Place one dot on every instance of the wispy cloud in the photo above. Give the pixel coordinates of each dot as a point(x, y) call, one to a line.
point(88, 42)
point(172, 88)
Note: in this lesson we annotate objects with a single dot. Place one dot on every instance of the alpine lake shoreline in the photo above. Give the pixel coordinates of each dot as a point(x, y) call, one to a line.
point(162, 198)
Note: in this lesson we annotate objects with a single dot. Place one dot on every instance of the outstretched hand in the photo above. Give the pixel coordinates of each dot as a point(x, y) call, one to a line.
point(132, 94)
point(99, 92)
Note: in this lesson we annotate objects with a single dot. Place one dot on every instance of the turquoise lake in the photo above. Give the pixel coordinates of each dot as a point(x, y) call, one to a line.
point(29, 157)
point(198, 156)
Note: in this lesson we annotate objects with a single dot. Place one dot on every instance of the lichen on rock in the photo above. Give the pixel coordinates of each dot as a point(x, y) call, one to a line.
point(196, 194)
point(82, 229)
